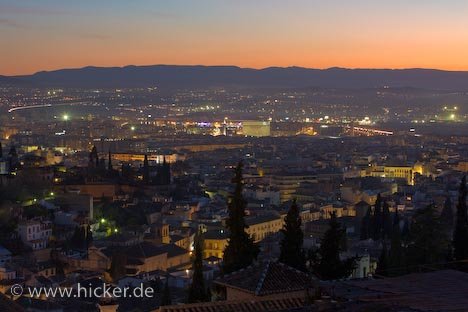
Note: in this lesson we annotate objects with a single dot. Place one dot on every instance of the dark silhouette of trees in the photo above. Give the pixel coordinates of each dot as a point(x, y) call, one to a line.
point(396, 254)
point(377, 223)
point(118, 266)
point(292, 252)
point(386, 221)
point(146, 170)
point(241, 250)
point(377, 219)
point(81, 238)
point(428, 242)
point(327, 263)
point(460, 235)
point(383, 263)
point(446, 216)
point(110, 168)
point(197, 290)
point(366, 225)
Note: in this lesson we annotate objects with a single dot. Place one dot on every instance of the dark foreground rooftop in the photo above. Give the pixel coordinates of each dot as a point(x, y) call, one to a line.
point(445, 290)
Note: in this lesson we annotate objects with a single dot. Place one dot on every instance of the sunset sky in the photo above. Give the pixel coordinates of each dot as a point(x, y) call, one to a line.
point(50, 34)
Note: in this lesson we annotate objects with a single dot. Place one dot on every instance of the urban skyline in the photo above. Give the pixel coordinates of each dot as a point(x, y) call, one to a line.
point(304, 177)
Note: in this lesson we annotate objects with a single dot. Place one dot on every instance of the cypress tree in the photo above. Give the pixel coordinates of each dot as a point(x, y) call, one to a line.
point(241, 250)
point(396, 253)
point(93, 157)
point(387, 221)
point(146, 174)
point(80, 238)
point(366, 225)
point(447, 217)
point(396, 220)
point(327, 262)
point(428, 243)
point(382, 264)
point(292, 253)
point(377, 219)
point(460, 235)
point(109, 162)
point(118, 266)
point(197, 290)
point(405, 231)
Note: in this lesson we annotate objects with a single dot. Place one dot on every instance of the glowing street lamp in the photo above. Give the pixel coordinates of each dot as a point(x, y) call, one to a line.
point(65, 117)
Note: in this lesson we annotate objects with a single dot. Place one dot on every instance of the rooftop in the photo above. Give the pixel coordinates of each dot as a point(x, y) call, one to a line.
point(266, 278)
point(261, 305)
point(443, 290)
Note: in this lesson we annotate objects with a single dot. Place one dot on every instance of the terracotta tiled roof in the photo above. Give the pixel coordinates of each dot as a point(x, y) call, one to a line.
point(267, 278)
point(444, 290)
point(262, 305)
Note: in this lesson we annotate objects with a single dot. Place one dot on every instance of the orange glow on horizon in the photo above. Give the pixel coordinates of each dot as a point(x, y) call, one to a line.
point(349, 53)
point(312, 34)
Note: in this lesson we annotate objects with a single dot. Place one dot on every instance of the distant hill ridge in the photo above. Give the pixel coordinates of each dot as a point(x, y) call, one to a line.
point(180, 76)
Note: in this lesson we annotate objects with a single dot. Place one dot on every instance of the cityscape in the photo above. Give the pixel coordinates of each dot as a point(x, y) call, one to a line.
point(232, 179)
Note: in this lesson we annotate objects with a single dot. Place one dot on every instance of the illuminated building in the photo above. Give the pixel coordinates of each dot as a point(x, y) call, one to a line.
point(262, 226)
point(405, 172)
point(256, 128)
point(214, 243)
point(129, 157)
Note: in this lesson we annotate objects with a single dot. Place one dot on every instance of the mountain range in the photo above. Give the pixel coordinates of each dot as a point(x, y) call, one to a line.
point(178, 76)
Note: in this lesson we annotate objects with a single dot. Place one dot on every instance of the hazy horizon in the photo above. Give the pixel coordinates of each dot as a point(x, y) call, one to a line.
point(313, 34)
point(236, 66)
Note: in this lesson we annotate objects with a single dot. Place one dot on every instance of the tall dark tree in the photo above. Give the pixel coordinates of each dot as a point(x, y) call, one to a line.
point(13, 158)
point(166, 293)
point(93, 158)
point(383, 263)
point(118, 266)
point(396, 221)
point(241, 250)
point(405, 232)
point(109, 162)
point(386, 221)
point(292, 252)
point(81, 238)
point(428, 241)
point(197, 290)
point(126, 171)
point(146, 170)
point(446, 216)
point(396, 255)
point(366, 231)
point(327, 263)
point(377, 219)
point(460, 235)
